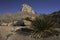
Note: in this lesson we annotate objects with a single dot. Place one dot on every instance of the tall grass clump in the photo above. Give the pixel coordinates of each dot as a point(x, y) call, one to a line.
point(43, 26)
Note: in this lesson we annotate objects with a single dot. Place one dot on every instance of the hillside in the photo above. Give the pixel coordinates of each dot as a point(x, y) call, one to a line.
point(56, 17)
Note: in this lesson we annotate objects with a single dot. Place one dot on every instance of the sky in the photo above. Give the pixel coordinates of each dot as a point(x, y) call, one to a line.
point(40, 6)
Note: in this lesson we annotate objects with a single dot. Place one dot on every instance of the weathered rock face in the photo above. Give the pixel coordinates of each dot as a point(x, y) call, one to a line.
point(4, 24)
point(18, 23)
point(27, 23)
point(27, 8)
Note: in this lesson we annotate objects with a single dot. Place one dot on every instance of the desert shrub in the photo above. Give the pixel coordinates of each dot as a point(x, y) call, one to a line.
point(27, 18)
point(43, 26)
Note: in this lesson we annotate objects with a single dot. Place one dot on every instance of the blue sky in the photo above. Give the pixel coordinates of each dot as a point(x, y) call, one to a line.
point(40, 6)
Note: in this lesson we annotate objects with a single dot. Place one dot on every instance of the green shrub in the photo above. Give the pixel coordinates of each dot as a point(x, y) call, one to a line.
point(43, 26)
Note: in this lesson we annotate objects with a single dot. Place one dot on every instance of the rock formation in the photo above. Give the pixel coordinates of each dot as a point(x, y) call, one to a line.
point(27, 8)
point(27, 23)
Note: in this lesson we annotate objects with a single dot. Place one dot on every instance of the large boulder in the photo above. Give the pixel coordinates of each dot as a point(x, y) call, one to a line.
point(5, 31)
point(21, 34)
point(27, 23)
point(19, 37)
point(27, 8)
point(18, 23)
point(4, 24)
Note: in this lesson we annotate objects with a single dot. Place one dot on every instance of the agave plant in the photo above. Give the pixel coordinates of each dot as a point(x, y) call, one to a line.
point(43, 26)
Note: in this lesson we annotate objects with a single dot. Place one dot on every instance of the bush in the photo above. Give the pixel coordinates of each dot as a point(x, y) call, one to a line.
point(27, 18)
point(43, 26)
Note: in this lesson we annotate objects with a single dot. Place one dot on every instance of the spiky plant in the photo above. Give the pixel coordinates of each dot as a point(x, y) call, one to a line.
point(43, 26)
point(27, 18)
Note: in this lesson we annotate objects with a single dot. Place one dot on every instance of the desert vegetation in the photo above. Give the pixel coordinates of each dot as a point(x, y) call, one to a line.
point(43, 26)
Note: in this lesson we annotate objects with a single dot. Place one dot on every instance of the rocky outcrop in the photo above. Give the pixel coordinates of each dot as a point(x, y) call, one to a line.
point(27, 8)
point(19, 37)
point(27, 23)
point(4, 24)
point(7, 31)
point(18, 23)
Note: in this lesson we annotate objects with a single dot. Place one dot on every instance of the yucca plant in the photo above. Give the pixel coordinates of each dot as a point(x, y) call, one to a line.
point(43, 26)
